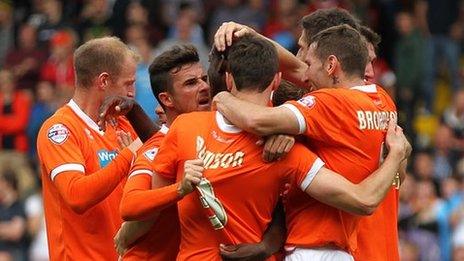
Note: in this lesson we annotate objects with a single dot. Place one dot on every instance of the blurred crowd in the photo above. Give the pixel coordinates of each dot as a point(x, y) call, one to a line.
point(419, 62)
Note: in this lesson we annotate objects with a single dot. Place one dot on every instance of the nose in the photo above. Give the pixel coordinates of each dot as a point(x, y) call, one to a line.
point(204, 86)
point(369, 72)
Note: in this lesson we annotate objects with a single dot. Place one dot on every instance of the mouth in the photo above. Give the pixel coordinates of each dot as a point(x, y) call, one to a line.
point(204, 101)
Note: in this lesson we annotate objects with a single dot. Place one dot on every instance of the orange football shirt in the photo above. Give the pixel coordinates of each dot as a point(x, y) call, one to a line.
point(82, 177)
point(162, 241)
point(346, 129)
point(234, 202)
point(378, 233)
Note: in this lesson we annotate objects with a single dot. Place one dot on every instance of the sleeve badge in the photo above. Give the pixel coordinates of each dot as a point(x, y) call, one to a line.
point(58, 134)
point(150, 154)
point(308, 101)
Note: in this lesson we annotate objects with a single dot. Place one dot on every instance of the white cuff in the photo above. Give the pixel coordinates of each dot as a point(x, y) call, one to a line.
point(66, 167)
point(299, 116)
point(141, 171)
point(317, 165)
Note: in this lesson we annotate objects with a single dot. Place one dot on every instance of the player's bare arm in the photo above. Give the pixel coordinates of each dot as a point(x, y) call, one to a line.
point(363, 198)
point(115, 106)
point(129, 232)
point(277, 146)
point(273, 240)
point(291, 67)
point(257, 119)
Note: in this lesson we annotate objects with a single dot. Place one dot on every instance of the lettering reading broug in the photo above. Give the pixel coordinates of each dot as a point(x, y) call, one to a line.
point(375, 120)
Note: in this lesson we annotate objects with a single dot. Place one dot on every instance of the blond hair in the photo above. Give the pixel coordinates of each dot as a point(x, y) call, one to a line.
point(106, 54)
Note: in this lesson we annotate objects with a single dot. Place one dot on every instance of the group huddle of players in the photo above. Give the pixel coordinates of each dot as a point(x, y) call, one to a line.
point(247, 165)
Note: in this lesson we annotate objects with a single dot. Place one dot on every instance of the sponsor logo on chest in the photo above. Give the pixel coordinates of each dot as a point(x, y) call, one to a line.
point(214, 160)
point(105, 157)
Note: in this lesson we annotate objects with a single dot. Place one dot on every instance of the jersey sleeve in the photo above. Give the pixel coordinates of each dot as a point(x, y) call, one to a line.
point(145, 157)
point(140, 202)
point(318, 114)
point(63, 162)
point(303, 165)
point(59, 151)
point(167, 158)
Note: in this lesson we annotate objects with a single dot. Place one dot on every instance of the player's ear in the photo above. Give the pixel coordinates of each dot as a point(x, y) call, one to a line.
point(103, 80)
point(276, 81)
point(166, 99)
point(229, 81)
point(331, 64)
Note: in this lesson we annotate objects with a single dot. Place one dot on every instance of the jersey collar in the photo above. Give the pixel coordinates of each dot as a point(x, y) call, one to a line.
point(164, 129)
point(371, 88)
point(73, 105)
point(224, 126)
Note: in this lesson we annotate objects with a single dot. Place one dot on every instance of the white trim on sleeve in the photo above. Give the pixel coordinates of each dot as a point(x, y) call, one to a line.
point(299, 116)
point(317, 165)
point(141, 171)
point(66, 167)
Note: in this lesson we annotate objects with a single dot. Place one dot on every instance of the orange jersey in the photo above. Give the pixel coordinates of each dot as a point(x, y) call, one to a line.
point(346, 129)
point(82, 176)
point(234, 202)
point(162, 241)
point(378, 233)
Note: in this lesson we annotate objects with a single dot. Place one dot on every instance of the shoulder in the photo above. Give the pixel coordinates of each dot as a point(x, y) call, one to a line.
point(58, 127)
point(384, 95)
point(193, 119)
point(153, 142)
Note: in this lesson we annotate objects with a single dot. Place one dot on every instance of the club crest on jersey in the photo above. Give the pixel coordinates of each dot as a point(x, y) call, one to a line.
point(105, 157)
point(58, 134)
point(150, 154)
point(308, 101)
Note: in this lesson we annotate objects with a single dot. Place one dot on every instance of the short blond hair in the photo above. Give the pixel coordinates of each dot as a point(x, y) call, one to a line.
point(106, 54)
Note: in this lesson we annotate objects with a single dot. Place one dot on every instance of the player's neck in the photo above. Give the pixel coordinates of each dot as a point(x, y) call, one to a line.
point(170, 117)
point(87, 102)
point(254, 97)
point(350, 82)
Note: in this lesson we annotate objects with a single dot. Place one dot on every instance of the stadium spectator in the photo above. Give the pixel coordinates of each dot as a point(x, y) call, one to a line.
point(12, 218)
point(14, 117)
point(184, 27)
point(58, 69)
point(233, 10)
point(452, 198)
point(409, 63)
point(453, 117)
point(94, 20)
point(14, 114)
point(6, 29)
point(422, 224)
point(38, 250)
point(436, 20)
point(26, 60)
point(281, 26)
point(136, 39)
point(197, 35)
point(45, 105)
point(49, 19)
point(137, 14)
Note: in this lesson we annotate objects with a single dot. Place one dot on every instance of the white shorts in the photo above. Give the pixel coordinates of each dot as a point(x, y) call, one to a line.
point(318, 254)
